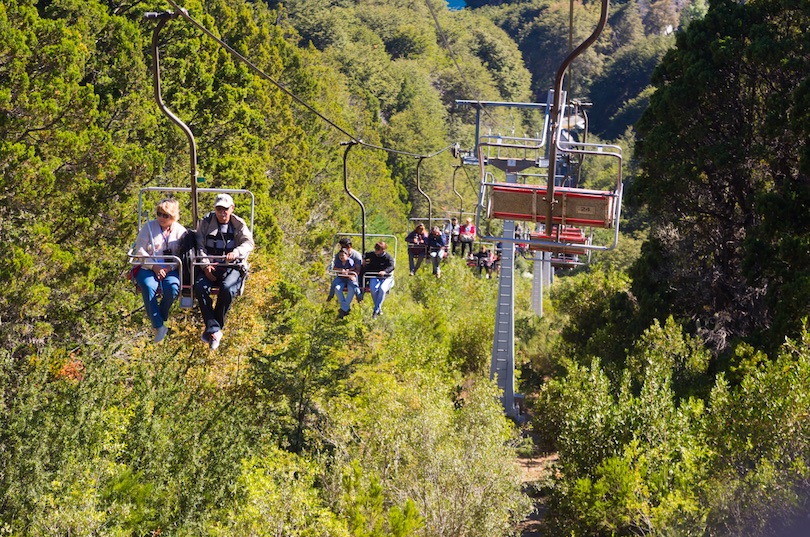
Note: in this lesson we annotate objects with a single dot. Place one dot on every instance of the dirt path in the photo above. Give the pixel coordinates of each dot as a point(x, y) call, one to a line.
point(535, 470)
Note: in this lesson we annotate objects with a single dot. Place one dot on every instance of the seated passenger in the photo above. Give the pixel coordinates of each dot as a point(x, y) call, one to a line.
point(346, 244)
point(437, 245)
point(378, 271)
point(416, 247)
point(160, 237)
point(451, 231)
point(223, 239)
point(484, 261)
point(345, 282)
point(467, 236)
point(496, 263)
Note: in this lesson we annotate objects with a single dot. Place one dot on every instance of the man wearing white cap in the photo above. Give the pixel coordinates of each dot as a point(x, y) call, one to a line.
point(227, 239)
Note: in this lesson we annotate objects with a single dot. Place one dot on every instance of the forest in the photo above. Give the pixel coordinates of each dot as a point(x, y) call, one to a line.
point(667, 382)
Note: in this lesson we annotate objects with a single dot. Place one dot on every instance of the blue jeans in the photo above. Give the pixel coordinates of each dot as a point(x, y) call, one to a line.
point(170, 287)
point(229, 280)
point(341, 284)
point(436, 258)
point(379, 287)
point(415, 259)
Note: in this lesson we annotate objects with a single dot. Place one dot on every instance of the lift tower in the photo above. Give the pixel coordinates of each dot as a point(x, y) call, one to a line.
point(511, 155)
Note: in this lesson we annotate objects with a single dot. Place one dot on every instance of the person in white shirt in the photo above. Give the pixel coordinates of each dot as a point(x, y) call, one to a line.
point(157, 239)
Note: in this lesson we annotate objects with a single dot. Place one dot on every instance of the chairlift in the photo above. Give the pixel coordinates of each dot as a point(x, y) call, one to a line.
point(471, 260)
point(374, 236)
point(363, 235)
point(187, 296)
point(553, 205)
point(187, 268)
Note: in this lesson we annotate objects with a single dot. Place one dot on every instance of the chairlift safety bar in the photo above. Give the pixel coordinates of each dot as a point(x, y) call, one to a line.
point(140, 260)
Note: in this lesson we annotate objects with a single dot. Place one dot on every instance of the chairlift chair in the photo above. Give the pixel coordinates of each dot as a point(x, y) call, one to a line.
point(490, 246)
point(330, 267)
point(186, 284)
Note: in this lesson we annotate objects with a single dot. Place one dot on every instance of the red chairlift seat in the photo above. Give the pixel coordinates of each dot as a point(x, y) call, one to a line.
point(565, 260)
point(567, 239)
point(577, 206)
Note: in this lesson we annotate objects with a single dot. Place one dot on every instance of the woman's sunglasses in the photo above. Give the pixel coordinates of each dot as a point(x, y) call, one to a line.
point(161, 214)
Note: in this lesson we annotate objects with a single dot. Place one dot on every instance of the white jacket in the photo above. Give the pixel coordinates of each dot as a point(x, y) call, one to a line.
point(152, 240)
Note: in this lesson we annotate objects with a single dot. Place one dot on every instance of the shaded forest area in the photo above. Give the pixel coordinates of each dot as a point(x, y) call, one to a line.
point(672, 376)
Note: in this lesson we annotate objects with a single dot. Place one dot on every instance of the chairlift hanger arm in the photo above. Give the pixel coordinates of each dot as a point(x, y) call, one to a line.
point(349, 146)
point(163, 18)
point(460, 198)
point(555, 110)
point(419, 188)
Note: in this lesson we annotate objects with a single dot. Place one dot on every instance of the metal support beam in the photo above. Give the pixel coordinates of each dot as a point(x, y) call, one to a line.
point(502, 366)
point(538, 284)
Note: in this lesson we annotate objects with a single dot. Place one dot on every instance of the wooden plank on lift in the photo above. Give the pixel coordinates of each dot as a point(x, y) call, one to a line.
point(592, 208)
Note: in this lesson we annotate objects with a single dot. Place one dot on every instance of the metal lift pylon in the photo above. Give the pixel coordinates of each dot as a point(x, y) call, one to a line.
point(521, 153)
point(502, 366)
point(511, 155)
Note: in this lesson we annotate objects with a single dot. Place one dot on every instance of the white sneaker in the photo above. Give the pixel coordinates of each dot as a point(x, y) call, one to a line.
point(214, 338)
point(160, 333)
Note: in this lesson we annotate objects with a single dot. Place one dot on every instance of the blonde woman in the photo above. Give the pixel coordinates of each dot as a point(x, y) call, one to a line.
point(162, 236)
point(467, 236)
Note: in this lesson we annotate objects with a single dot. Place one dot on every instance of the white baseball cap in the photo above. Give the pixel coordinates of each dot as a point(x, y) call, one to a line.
point(223, 200)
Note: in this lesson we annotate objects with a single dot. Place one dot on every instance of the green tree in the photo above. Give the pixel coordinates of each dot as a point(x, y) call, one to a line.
point(451, 462)
point(709, 176)
point(279, 499)
point(633, 65)
point(68, 158)
point(599, 311)
point(757, 433)
point(627, 462)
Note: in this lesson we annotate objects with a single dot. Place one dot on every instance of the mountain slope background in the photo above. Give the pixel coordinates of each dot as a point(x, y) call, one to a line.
point(671, 376)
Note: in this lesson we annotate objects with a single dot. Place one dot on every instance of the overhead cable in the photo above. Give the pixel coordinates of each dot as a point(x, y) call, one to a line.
point(446, 45)
point(184, 13)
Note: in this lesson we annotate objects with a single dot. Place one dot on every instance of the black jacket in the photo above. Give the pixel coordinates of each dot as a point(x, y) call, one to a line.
point(373, 263)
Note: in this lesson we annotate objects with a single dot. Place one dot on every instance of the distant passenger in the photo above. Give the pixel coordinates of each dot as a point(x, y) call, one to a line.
point(160, 237)
point(224, 241)
point(451, 232)
point(467, 236)
point(378, 270)
point(437, 245)
point(345, 282)
point(496, 264)
point(346, 244)
point(484, 262)
point(416, 247)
